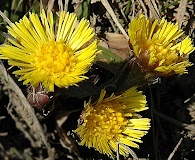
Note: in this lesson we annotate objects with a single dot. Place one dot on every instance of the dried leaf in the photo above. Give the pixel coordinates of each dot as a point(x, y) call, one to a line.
point(65, 141)
point(22, 107)
point(119, 45)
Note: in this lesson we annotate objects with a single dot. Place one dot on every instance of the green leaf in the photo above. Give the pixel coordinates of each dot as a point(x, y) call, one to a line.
point(108, 60)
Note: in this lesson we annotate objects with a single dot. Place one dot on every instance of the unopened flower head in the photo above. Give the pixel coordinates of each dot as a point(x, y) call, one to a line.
point(113, 122)
point(50, 52)
point(158, 48)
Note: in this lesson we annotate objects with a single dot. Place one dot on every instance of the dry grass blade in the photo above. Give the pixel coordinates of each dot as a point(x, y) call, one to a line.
point(22, 107)
point(3, 134)
point(111, 12)
point(175, 149)
point(18, 6)
point(2, 117)
point(190, 127)
point(60, 4)
point(66, 5)
point(153, 9)
point(143, 6)
point(50, 5)
point(181, 12)
point(5, 18)
point(133, 9)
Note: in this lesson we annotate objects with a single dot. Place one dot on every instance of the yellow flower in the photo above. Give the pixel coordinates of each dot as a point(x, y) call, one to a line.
point(157, 47)
point(113, 121)
point(48, 52)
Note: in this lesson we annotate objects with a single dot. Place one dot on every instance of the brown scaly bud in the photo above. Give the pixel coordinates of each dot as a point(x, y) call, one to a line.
point(37, 97)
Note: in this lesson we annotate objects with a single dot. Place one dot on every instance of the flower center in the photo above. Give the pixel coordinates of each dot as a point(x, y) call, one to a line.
point(54, 58)
point(106, 120)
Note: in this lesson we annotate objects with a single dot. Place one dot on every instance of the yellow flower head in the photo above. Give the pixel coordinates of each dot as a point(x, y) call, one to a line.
point(157, 47)
point(48, 52)
point(113, 121)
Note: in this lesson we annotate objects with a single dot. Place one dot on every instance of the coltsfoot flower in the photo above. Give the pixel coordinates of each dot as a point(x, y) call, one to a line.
point(50, 52)
point(113, 121)
point(158, 48)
